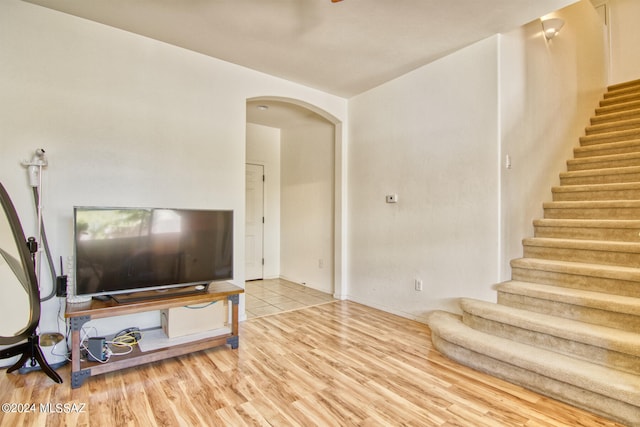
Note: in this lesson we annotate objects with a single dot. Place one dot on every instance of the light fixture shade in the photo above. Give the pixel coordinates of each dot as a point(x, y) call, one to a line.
point(551, 27)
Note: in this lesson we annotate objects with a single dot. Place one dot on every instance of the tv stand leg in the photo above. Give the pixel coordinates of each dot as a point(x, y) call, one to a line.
point(77, 376)
point(233, 341)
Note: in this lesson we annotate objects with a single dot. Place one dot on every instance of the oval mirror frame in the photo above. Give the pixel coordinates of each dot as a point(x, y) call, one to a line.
point(29, 350)
point(29, 275)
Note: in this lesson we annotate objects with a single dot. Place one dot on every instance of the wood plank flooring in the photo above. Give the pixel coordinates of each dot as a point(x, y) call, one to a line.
point(336, 364)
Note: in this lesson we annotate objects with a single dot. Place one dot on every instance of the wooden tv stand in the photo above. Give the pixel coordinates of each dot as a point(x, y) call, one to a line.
point(81, 313)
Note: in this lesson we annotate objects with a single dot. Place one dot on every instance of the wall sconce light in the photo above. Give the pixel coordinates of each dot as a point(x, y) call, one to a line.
point(551, 27)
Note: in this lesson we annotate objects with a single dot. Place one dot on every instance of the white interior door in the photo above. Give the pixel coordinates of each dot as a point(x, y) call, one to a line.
point(254, 222)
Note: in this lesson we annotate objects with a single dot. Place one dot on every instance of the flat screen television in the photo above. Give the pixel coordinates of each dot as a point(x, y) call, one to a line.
point(128, 250)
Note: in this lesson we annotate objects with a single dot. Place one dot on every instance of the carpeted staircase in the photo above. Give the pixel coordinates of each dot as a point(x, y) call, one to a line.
point(568, 323)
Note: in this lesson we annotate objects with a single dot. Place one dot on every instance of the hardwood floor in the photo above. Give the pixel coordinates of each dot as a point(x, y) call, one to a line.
point(336, 364)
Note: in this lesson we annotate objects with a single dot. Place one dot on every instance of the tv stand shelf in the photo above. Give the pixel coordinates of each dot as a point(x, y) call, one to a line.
point(81, 313)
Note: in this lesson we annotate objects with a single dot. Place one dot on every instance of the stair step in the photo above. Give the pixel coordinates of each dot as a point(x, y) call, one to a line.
point(601, 176)
point(612, 126)
point(595, 308)
point(614, 108)
point(599, 153)
point(608, 137)
point(599, 209)
point(620, 99)
point(627, 114)
point(616, 191)
point(624, 90)
point(585, 229)
point(589, 251)
point(622, 85)
point(608, 392)
point(616, 280)
point(605, 346)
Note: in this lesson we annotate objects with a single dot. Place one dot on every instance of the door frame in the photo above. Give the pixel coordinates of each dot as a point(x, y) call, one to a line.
point(262, 211)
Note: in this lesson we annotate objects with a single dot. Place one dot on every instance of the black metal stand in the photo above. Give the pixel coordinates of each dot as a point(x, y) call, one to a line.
point(30, 350)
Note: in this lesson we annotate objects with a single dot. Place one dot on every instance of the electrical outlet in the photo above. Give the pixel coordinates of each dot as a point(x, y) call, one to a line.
point(418, 284)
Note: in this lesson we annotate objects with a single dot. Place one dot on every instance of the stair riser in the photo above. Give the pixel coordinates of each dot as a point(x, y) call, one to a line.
point(620, 151)
point(611, 408)
point(593, 213)
point(577, 196)
point(588, 233)
point(628, 90)
point(612, 127)
point(612, 319)
point(602, 178)
point(598, 164)
point(620, 99)
point(580, 350)
point(623, 259)
point(621, 287)
point(615, 117)
point(617, 108)
point(586, 164)
point(623, 85)
point(611, 137)
point(622, 91)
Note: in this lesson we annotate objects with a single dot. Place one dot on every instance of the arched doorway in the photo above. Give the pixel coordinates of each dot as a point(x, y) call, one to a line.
point(310, 239)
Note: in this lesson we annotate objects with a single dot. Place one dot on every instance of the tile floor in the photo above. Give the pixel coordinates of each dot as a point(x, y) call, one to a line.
point(272, 296)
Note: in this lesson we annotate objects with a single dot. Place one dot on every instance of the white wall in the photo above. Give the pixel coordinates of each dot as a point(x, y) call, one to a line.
point(439, 136)
point(307, 224)
point(125, 120)
point(263, 148)
point(625, 40)
point(548, 91)
point(430, 136)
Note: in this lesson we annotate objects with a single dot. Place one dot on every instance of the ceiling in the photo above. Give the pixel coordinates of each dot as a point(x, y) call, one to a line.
point(341, 48)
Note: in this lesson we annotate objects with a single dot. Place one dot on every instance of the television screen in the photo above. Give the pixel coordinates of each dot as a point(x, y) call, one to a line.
point(132, 249)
